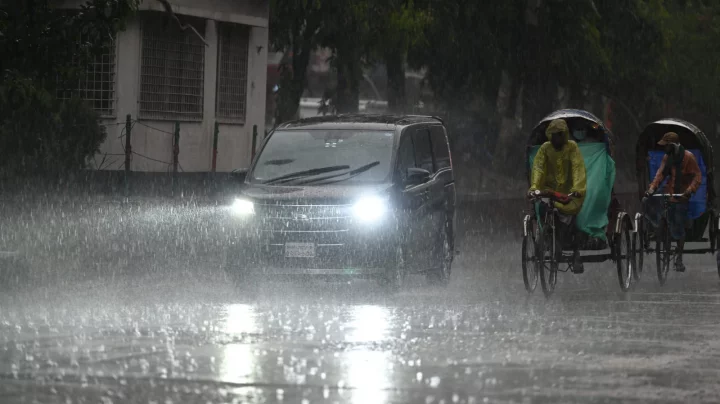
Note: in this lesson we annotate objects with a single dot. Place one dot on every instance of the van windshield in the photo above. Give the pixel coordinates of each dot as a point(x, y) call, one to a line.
point(325, 157)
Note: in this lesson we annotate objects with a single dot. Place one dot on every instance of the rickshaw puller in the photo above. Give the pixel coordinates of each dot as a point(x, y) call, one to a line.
point(559, 167)
point(687, 183)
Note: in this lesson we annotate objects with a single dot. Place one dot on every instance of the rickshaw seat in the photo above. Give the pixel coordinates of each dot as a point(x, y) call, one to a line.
point(698, 202)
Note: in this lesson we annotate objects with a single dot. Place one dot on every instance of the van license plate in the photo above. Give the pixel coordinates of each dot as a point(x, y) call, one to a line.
point(300, 250)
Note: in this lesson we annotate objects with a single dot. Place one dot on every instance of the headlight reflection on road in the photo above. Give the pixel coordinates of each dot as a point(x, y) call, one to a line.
point(236, 360)
point(368, 371)
point(369, 323)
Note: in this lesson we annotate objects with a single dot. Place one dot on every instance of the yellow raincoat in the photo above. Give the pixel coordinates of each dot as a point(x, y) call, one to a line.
point(560, 170)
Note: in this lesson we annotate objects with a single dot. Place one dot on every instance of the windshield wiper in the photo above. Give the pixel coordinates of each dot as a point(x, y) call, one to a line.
point(350, 174)
point(306, 173)
point(279, 162)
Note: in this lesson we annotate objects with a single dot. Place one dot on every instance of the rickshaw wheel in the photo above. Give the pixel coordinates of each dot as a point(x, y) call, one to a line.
point(625, 256)
point(639, 240)
point(531, 256)
point(548, 270)
point(712, 231)
point(663, 252)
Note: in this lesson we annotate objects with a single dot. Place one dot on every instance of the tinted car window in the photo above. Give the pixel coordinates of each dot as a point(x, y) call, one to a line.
point(440, 147)
point(423, 150)
point(294, 152)
point(406, 157)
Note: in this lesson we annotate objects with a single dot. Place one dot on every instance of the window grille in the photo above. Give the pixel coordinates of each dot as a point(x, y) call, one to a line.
point(172, 67)
point(232, 81)
point(97, 83)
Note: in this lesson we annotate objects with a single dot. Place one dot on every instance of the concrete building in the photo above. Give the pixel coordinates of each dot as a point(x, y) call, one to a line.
point(161, 74)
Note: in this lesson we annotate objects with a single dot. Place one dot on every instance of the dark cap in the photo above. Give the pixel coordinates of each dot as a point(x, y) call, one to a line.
point(670, 137)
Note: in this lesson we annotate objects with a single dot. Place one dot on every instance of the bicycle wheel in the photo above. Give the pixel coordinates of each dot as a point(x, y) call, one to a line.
point(663, 251)
point(531, 255)
point(548, 263)
point(712, 231)
point(639, 248)
point(624, 257)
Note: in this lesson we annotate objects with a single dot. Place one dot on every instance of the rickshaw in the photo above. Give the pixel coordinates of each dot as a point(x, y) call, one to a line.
point(601, 224)
point(701, 211)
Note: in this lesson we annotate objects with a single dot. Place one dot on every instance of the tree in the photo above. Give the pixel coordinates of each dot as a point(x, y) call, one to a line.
point(345, 31)
point(40, 134)
point(693, 67)
point(396, 26)
point(362, 33)
point(44, 49)
point(295, 28)
point(50, 45)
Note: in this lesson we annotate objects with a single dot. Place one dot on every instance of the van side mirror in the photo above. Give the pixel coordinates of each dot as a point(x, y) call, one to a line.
point(416, 176)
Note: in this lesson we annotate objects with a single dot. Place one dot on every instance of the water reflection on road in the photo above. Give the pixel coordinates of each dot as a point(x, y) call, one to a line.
point(237, 362)
point(160, 338)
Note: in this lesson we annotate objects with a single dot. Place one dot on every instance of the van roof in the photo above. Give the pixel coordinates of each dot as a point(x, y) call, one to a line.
point(364, 121)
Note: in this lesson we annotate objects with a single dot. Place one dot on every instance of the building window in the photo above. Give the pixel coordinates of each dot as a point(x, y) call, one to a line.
point(97, 84)
point(172, 67)
point(232, 71)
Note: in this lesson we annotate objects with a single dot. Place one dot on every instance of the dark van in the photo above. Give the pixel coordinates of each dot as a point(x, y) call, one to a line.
point(369, 196)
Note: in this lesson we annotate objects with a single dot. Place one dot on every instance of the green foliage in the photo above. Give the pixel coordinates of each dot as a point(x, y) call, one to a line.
point(48, 44)
point(43, 49)
point(693, 69)
point(640, 53)
point(40, 134)
point(357, 32)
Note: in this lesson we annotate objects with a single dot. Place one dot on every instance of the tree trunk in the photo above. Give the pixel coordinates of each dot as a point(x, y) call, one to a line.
point(512, 99)
point(507, 136)
point(292, 84)
point(349, 73)
point(534, 82)
point(577, 98)
point(396, 82)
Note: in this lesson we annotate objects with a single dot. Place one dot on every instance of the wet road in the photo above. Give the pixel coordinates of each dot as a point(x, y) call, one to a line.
point(189, 337)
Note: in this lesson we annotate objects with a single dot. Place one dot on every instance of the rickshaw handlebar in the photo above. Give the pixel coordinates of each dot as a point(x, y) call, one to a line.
point(669, 195)
point(645, 199)
point(554, 196)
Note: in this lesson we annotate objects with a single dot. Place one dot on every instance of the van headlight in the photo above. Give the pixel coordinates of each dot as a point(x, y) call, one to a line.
point(370, 209)
point(242, 207)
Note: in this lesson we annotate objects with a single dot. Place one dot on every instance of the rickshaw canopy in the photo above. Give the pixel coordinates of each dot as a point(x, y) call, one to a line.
point(649, 155)
point(595, 143)
point(579, 122)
